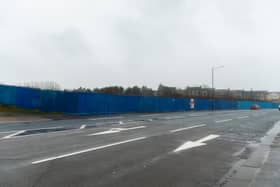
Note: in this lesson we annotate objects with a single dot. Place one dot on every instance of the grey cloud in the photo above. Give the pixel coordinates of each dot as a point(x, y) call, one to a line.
point(146, 42)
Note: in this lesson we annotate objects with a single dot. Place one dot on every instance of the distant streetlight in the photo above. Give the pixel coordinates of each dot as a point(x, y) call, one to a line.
point(213, 88)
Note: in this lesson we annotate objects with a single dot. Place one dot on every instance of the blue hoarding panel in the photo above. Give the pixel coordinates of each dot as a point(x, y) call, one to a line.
point(48, 101)
point(67, 102)
point(28, 98)
point(8, 95)
point(95, 103)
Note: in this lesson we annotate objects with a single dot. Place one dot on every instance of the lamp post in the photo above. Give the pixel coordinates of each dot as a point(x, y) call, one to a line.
point(213, 84)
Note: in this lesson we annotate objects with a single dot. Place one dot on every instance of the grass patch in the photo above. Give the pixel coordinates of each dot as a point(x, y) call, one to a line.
point(6, 110)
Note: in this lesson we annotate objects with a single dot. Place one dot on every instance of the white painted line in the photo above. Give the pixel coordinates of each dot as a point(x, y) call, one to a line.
point(105, 118)
point(173, 117)
point(188, 145)
point(14, 134)
point(83, 126)
point(6, 132)
point(149, 115)
point(133, 128)
point(116, 130)
point(187, 128)
point(87, 150)
point(208, 138)
point(111, 131)
point(132, 122)
point(242, 117)
point(224, 120)
point(198, 143)
point(194, 115)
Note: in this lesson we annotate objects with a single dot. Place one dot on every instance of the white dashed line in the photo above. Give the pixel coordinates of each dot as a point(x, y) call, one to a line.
point(116, 130)
point(242, 117)
point(150, 115)
point(187, 128)
point(14, 134)
point(6, 132)
point(87, 150)
point(117, 117)
point(83, 126)
point(224, 120)
point(132, 128)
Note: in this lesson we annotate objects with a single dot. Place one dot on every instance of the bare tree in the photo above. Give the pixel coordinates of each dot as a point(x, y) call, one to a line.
point(45, 85)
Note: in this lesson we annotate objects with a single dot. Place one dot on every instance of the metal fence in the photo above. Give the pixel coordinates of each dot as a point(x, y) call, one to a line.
point(95, 103)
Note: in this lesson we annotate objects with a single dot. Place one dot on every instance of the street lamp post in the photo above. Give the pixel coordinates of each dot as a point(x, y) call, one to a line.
point(213, 85)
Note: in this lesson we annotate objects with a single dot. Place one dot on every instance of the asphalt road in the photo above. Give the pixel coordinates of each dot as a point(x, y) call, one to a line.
point(170, 149)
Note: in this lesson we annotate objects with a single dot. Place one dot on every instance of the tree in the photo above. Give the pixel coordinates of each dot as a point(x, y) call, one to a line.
point(81, 89)
point(45, 85)
point(135, 90)
point(147, 91)
point(110, 90)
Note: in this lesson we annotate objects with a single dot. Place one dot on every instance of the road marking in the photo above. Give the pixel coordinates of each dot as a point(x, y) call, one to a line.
point(198, 143)
point(25, 121)
point(6, 132)
point(131, 122)
point(14, 134)
point(83, 126)
point(173, 117)
point(132, 128)
point(105, 118)
point(111, 131)
point(187, 128)
point(88, 150)
point(242, 117)
point(224, 120)
point(116, 130)
point(194, 115)
point(149, 115)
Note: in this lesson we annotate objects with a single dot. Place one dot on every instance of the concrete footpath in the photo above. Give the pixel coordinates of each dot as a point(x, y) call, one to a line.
point(269, 175)
point(262, 168)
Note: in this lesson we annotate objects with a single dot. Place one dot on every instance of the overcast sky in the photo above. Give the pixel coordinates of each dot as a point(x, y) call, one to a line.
point(95, 43)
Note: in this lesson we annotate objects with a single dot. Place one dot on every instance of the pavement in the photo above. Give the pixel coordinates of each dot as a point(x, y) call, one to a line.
point(189, 149)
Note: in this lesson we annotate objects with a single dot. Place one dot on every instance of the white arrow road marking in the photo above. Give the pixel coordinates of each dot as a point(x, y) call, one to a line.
point(198, 143)
point(224, 120)
point(116, 130)
point(187, 128)
point(87, 150)
point(14, 134)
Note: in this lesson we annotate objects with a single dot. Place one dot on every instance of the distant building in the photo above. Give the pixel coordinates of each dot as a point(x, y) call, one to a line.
point(223, 93)
point(273, 96)
point(198, 92)
point(229, 94)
